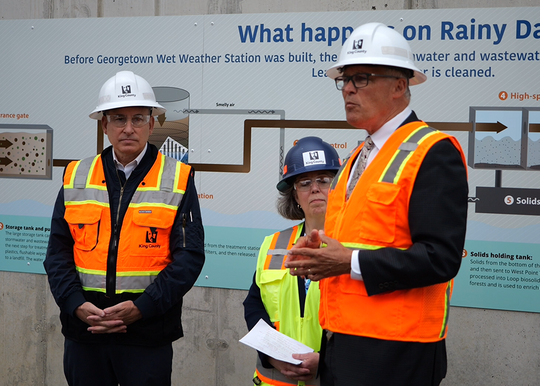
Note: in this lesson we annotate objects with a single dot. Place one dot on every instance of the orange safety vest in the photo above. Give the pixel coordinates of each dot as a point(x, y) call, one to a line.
point(374, 217)
point(143, 249)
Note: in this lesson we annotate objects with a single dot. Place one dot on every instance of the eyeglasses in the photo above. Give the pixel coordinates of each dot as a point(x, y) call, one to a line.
point(304, 185)
point(120, 121)
point(359, 80)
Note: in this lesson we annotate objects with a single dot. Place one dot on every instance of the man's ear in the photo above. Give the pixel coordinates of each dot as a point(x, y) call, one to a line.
point(401, 87)
point(104, 123)
point(152, 122)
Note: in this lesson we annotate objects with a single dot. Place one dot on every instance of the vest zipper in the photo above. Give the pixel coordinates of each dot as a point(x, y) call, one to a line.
point(111, 261)
point(184, 222)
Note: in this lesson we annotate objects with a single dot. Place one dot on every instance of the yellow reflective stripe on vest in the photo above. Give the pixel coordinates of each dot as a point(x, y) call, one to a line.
point(134, 282)
point(355, 246)
point(370, 247)
point(394, 168)
point(83, 172)
point(178, 172)
point(86, 196)
point(447, 296)
point(80, 191)
point(164, 195)
point(275, 260)
point(163, 161)
point(71, 181)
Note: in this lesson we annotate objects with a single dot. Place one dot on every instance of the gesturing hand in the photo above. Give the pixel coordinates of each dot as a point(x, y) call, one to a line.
point(317, 256)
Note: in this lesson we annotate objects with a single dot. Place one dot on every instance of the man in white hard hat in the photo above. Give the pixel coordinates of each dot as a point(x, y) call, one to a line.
point(395, 226)
point(126, 245)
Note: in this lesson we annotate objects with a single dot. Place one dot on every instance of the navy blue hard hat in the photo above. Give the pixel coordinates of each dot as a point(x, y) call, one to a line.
point(309, 154)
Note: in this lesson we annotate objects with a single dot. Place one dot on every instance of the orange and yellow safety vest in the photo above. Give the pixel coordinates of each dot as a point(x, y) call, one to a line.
point(376, 216)
point(143, 249)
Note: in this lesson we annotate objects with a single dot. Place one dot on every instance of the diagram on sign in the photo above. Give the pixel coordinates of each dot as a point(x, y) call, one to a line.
point(25, 151)
point(499, 139)
point(514, 145)
point(171, 130)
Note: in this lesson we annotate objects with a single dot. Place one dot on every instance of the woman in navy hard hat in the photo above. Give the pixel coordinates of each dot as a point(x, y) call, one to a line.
point(289, 303)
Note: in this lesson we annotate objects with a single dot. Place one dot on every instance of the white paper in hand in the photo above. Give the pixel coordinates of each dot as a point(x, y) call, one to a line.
point(273, 343)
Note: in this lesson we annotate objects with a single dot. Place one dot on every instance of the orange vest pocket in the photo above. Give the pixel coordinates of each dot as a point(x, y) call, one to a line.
point(84, 222)
point(378, 221)
point(148, 234)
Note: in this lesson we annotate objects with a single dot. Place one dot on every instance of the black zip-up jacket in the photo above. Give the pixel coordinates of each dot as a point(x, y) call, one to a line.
point(161, 302)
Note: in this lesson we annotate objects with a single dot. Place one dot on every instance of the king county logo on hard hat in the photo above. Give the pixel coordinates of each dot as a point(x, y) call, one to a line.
point(316, 157)
point(357, 44)
point(357, 47)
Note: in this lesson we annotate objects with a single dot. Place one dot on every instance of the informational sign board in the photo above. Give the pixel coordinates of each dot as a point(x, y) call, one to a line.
point(240, 89)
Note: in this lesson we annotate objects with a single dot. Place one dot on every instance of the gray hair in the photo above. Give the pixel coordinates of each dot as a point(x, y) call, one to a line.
point(402, 72)
point(287, 205)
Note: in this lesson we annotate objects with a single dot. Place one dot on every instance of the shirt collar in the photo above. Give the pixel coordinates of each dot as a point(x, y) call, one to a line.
point(381, 136)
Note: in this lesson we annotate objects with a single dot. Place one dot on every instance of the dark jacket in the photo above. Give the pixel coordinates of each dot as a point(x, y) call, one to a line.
point(161, 302)
point(437, 222)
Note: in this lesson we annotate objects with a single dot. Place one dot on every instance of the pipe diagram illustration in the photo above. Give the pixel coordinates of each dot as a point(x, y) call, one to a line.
point(499, 139)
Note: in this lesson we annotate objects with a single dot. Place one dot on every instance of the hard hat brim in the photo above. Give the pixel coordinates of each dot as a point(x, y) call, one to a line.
point(335, 71)
point(287, 182)
point(157, 109)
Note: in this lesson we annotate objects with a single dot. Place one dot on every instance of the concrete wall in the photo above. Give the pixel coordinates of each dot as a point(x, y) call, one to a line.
point(485, 347)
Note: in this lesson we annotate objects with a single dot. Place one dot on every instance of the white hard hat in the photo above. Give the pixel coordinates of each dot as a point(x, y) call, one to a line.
point(126, 89)
point(376, 44)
